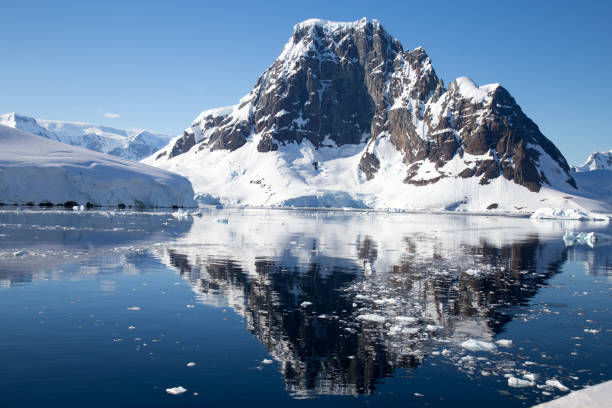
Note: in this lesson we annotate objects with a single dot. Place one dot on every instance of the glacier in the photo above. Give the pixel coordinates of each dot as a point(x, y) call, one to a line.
point(39, 171)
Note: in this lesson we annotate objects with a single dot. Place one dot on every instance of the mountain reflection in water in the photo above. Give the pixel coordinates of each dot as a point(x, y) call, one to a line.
point(343, 300)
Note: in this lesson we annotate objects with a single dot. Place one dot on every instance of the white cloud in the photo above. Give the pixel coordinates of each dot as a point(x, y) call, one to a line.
point(112, 115)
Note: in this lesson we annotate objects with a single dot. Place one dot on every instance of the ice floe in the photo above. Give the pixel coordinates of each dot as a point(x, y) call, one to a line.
point(478, 345)
point(370, 317)
point(519, 383)
point(176, 390)
point(556, 384)
point(504, 343)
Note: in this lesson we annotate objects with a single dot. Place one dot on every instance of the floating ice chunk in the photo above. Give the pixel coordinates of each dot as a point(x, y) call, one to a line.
point(592, 331)
point(267, 361)
point(410, 330)
point(191, 364)
point(21, 252)
point(176, 390)
point(591, 239)
point(478, 345)
point(133, 308)
point(566, 214)
point(519, 383)
point(131, 327)
point(446, 352)
point(504, 343)
point(433, 328)
point(530, 376)
point(190, 306)
point(306, 303)
point(384, 301)
point(406, 319)
point(472, 272)
point(556, 384)
point(370, 317)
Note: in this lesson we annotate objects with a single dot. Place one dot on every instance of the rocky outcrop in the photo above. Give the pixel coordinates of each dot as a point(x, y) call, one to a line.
point(336, 84)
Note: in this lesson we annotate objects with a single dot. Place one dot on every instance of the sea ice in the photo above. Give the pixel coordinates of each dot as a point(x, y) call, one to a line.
point(592, 331)
point(176, 390)
point(370, 317)
point(556, 384)
point(504, 343)
point(519, 383)
point(406, 319)
point(477, 345)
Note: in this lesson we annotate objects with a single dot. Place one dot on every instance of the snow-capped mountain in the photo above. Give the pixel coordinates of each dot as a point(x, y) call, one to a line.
point(128, 144)
point(38, 171)
point(597, 161)
point(594, 177)
point(346, 117)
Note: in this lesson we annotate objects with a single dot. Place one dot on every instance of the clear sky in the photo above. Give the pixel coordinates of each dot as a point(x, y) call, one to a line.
point(156, 65)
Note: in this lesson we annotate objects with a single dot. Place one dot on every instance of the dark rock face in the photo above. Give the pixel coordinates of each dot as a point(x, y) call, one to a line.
point(352, 83)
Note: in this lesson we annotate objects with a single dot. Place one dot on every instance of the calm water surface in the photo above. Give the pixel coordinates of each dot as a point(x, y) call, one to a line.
point(102, 309)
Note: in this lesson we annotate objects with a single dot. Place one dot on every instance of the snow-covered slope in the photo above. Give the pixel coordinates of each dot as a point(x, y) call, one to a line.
point(128, 144)
point(346, 117)
point(37, 170)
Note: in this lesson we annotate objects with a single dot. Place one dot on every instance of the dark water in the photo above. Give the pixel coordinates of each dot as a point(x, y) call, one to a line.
point(280, 308)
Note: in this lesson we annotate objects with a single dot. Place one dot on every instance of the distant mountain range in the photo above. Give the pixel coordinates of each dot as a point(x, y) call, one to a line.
point(596, 161)
point(346, 117)
point(128, 144)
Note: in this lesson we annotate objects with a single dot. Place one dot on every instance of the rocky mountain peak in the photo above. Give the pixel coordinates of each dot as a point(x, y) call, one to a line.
point(336, 84)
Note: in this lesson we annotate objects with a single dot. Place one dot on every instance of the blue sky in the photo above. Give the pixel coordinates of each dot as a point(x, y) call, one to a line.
point(158, 64)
